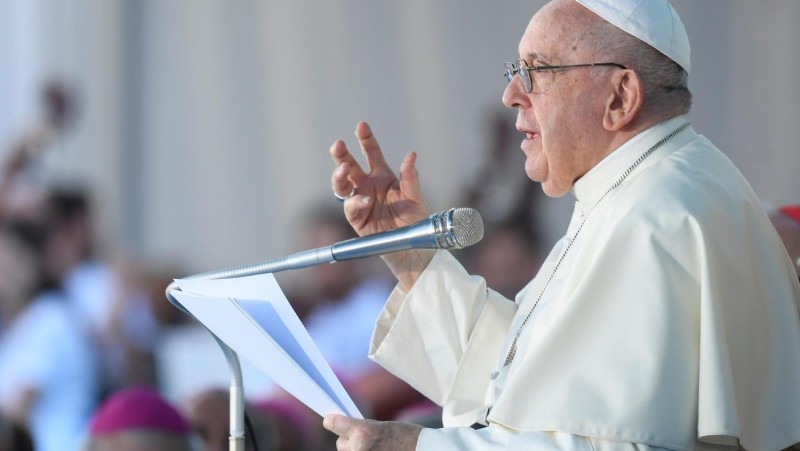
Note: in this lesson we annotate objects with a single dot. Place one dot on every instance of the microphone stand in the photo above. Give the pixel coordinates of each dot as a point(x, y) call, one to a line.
point(236, 440)
point(453, 228)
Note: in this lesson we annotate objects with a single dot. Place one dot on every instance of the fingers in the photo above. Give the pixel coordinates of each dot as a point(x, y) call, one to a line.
point(335, 423)
point(338, 424)
point(340, 180)
point(370, 147)
point(340, 155)
point(378, 184)
point(409, 177)
point(348, 173)
point(355, 434)
point(346, 428)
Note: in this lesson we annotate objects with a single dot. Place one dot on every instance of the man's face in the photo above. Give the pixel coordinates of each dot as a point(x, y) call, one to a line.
point(562, 124)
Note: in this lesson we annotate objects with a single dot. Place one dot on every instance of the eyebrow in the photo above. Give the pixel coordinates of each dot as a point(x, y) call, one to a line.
point(538, 56)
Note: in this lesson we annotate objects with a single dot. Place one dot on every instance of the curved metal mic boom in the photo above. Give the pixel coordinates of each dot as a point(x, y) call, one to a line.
point(455, 228)
point(452, 229)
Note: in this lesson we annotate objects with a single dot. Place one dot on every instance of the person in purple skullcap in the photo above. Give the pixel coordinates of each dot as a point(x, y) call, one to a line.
point(138, 419)
point(786, 220)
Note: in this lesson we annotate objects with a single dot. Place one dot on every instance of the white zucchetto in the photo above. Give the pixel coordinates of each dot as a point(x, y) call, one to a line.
point(653, 21)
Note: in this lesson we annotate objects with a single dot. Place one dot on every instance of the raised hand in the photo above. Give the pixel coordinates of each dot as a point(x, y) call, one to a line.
point(380, 200)
point(356, 435)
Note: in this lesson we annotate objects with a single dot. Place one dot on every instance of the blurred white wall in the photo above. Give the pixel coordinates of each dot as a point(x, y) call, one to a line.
point(205, 126)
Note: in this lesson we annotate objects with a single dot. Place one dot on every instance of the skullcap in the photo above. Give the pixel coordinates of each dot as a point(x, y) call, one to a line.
point(653, 21)
point(136, 408)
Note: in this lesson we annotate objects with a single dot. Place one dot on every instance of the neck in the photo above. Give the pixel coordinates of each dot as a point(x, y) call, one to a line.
point(635, 127)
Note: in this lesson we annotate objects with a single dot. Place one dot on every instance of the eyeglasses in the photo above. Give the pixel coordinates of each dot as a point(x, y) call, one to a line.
point(537, 79)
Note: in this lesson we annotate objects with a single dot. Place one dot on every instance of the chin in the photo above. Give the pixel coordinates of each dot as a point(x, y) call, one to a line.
point(549, 189)
point(553, 191)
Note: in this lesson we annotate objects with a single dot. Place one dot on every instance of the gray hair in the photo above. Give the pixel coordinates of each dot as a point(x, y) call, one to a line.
point(666, 90)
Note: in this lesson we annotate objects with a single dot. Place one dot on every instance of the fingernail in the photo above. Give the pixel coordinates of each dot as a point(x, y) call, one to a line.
point(365, 200)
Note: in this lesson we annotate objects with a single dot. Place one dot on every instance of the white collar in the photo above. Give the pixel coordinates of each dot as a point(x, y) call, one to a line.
point(591, 186)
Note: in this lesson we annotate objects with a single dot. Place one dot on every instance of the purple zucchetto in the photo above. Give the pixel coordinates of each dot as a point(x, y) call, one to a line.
point(137, 408)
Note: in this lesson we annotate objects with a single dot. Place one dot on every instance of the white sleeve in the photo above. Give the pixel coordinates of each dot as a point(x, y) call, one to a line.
point(497, 437)
point(444, 335)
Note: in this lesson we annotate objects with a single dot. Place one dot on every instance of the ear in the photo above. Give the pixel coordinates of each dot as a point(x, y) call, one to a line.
point(625, 101)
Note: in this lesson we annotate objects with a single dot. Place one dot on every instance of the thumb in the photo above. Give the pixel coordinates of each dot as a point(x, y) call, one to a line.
point(336, 423)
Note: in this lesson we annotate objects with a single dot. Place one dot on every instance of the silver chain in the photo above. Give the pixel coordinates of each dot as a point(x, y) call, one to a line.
point(512, 351)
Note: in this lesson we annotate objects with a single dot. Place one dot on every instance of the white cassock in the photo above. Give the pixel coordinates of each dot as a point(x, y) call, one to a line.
point(672, 321)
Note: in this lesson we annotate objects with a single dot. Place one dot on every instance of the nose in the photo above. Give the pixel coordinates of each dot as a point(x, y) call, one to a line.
point(514, 96)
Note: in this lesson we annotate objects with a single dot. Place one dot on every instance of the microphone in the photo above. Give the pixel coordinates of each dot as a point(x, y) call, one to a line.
point(455, 228)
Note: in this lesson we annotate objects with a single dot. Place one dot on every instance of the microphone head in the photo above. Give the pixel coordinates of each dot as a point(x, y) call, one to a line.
point(457, 228)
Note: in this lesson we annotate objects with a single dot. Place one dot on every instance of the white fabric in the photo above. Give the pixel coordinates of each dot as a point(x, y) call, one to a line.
point(342, 329)
point(653, 21)
point(90, 287)
point(500, 438)
point(44, 350)
point(672, 318)
point(497, 439)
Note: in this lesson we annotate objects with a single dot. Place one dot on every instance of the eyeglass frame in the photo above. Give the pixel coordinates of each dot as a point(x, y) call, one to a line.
point(513, 69)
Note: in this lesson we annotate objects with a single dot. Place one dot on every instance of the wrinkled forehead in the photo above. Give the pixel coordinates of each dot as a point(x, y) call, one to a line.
point(557, 33)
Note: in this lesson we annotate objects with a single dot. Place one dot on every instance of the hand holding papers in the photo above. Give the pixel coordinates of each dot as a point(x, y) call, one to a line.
point(252, 316)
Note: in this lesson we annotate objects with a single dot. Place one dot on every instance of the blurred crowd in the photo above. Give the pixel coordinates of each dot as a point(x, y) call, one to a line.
point(74, 326)
point(80, 333)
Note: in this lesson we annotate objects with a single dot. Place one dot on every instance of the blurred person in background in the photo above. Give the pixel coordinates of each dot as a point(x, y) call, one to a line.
point(507, 257)
point(70, 260)
point(70, 257)
point(501, 192)
point(139, 315)
point(208, 413)
point(138, 419)
point(115, 311)
point(20, 197)
point(510, 252)
point(786, 220)
point(13, 436)
point(72, 311)
point(48, 371)
point(346, 299)
point(112, 300)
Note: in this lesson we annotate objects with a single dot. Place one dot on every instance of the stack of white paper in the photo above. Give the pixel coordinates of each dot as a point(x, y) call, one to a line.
point(253, 317)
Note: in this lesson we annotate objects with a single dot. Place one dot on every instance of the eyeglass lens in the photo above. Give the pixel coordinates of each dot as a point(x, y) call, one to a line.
point(521, 68)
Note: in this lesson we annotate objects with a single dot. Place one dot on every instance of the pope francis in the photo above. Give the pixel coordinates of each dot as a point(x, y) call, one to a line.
point(667, 315)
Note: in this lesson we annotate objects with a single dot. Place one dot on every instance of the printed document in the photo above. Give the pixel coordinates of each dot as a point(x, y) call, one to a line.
point(253, 317)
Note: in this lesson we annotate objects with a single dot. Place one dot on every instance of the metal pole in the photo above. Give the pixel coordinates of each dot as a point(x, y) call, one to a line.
point(236, 439)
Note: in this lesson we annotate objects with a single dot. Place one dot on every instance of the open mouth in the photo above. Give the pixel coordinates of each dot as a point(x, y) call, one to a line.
point(529, 134)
